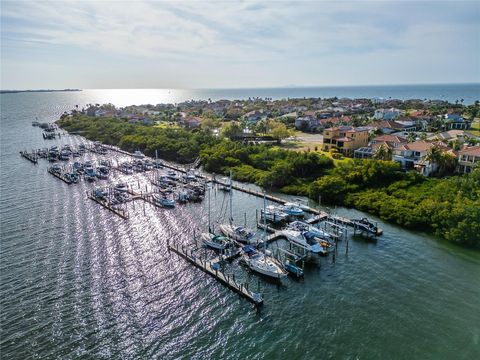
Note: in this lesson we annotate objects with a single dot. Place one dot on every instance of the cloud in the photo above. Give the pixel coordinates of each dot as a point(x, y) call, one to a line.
point(272, 40)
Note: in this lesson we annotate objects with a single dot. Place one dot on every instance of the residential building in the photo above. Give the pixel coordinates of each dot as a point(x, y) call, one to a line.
point(345, 139)
point(386, 114)
point(455, 121)
point(468, 158)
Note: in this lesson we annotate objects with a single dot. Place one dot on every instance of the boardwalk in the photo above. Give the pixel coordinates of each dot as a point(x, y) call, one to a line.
point(209, 268)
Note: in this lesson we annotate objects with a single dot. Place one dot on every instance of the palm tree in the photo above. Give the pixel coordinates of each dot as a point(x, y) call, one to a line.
point(383, 152)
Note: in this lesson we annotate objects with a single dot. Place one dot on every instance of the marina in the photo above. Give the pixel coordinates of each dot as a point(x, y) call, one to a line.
point(164, 186)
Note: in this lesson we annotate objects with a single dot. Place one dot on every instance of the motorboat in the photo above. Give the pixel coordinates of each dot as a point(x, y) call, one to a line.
point(100, 193)
point(272, 214)
point(56, 168)
point(239, 233)
point(138, 154)
point(303, 226)
point(121, 187)
point(224, 184)
point(292, 210)
point(262, 263)
point(102, 172)
point(305, 239)
point(171, 174)
point(365, 225)
point(163, 201)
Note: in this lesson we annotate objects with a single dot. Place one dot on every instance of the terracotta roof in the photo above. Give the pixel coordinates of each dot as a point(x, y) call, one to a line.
point(390, 138)
point(474, 150)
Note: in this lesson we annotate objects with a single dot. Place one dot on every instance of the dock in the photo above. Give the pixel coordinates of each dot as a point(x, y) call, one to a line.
point(274, 233)
point(32, 157)
point(210, 268)
point(106, 204)
point(59, 176)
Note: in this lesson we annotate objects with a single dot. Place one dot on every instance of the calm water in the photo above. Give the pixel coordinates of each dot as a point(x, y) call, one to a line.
point(78, 282)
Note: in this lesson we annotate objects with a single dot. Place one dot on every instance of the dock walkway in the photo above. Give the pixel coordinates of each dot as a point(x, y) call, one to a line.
point(208, 267)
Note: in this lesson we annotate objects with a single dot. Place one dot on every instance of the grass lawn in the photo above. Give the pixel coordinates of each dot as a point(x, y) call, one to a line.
point(475, 129)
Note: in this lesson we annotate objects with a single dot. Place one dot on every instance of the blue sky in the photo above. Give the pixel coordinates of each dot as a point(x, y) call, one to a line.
point(230, 44)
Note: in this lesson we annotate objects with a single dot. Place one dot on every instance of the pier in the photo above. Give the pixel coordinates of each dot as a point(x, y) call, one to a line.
point(59, 176)
point(30, 156)
point(107, 205)
point(211, 268)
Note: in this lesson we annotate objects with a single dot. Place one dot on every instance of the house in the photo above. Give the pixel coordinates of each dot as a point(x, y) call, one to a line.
point(308, 123)
point(254, 116)
point(412, 155)
point(365, 152)
point(345, 139)
point(468, 158)
point(389, 126)
point(451, 135)
point(192, 122)
point(390, 140)
point(386, 114)
point(455, 121)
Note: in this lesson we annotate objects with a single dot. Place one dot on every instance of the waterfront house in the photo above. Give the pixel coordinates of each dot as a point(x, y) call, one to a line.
point(455, 121)
point(412, 155)
point(468, 159)
point(386, 114)
point(345, 139)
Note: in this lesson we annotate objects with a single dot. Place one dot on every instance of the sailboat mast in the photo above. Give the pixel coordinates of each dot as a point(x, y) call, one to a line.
point(231, 200)
point(209, 227)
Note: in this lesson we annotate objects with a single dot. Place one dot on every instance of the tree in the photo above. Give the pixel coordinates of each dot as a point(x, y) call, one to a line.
point(232, 130)
point(383, 152)
point(278, 130)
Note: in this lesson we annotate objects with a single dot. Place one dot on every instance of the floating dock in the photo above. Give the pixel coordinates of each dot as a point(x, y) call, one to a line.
point(30, 156)
point(106, 204)
point(60, 176)
point(209, 268)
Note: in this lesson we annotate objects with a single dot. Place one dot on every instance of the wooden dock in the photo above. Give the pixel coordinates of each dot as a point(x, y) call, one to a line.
point(59, 176)
point(106, 204)
point(317, 218)
point(208, 267)
point(274, 233)
point(268, 197)
point(29, 156)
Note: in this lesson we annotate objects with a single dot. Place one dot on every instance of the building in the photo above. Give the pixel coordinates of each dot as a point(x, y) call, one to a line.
point(389, 127)
point(468, 158)
point(455, 121)
point(345, 139)
point(386, 114)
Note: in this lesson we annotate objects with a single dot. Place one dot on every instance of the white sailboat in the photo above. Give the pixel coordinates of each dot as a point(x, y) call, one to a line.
point(210, 238)
point(262, 263)
point(239, 233)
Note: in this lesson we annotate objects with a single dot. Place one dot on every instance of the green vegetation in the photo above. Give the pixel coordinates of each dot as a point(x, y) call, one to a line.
point(172, 143)
point(449, 207)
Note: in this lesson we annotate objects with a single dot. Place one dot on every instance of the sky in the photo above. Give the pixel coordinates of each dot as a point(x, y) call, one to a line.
point(237, 44)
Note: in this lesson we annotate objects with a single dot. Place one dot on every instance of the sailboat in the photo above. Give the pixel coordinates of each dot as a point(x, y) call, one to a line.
point(239, 233)
point(210, 238)
point(262, 263)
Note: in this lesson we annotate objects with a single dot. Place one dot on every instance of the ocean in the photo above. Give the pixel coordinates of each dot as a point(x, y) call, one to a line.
point(79, 282)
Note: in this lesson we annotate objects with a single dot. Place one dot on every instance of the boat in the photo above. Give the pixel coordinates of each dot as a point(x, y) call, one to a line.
point(292, 210)
point(262, 263)
point(103, 172)
point(121, 187)
point(35, 123)
point(100, 194)
point(56, 168)
point(239, 233)
point(225, 184)
point(163, 201)
point(365, 225)
point(303, 226)
point(305, 239)
point(171, 174)
point(273, 214)
point(138, 154)
point(217, 242)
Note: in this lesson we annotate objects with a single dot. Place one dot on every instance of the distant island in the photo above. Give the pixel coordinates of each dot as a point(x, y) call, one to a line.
point(40, 90)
